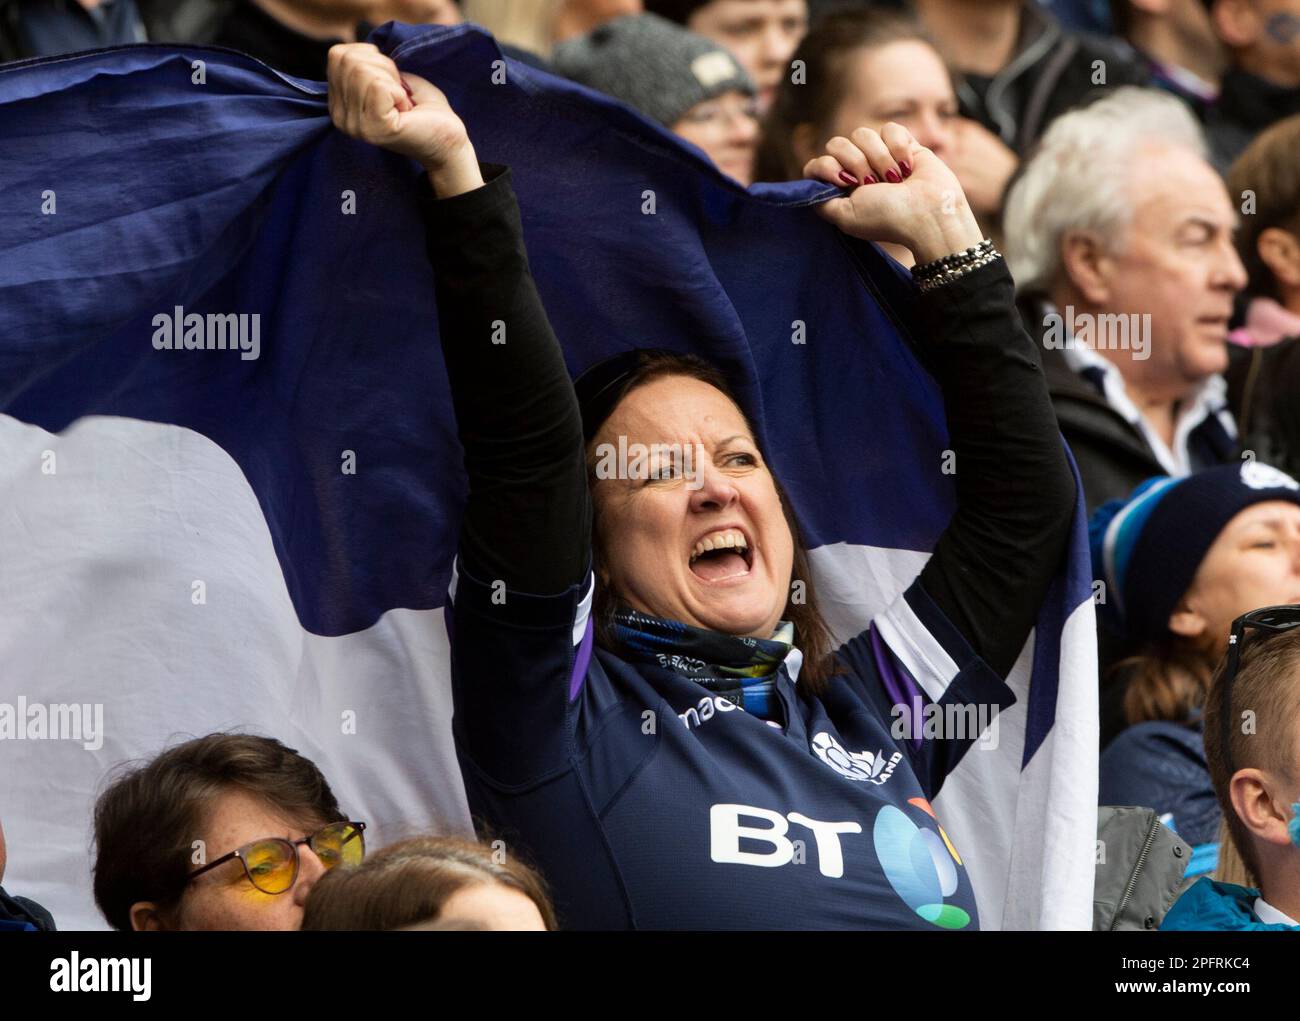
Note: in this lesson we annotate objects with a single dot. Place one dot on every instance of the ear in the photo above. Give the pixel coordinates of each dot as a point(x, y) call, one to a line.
point(1087, 265)
point(1279, 250)
point(145, 917)
point(1236, 22)
point(803, 143)
point(1187, 622)
point(1251, 792)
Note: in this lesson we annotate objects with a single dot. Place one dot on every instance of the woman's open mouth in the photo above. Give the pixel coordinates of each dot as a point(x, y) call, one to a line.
point(720, 555)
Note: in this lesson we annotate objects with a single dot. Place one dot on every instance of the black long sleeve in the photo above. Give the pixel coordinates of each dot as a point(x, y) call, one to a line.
point(528, 518)
point(1016, 493)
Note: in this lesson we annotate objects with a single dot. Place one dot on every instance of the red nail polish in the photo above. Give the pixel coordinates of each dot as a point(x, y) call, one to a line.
point(409, 94)
point(892, 177)
point(906, 168)
point(848, 178)
point(873, 179)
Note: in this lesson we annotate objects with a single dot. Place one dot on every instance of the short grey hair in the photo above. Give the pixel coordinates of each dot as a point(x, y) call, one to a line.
point(1077, 177)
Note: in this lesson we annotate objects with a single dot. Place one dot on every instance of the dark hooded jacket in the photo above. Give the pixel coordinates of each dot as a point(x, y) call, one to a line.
point(1245, 107)
point(189, 21)
point(1053, 70)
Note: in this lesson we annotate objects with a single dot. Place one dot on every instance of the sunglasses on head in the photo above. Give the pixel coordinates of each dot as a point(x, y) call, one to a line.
point(271, 864)
point(1267, 622)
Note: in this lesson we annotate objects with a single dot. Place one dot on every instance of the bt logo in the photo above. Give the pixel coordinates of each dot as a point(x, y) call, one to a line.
point(920, 863)
point(726, 831)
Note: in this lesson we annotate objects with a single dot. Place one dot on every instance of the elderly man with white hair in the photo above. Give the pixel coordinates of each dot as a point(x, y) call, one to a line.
point(1119, 236)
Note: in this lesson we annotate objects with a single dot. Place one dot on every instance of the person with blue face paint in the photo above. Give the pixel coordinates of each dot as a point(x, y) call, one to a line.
point(1262, 85)
point(1252, 744)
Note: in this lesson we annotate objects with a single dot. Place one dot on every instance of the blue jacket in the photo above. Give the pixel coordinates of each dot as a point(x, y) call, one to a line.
point(21, 914)
point(1161, 766)
point(1218, 907)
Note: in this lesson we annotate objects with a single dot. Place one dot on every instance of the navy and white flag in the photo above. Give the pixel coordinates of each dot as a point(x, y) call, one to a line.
point(230, 482)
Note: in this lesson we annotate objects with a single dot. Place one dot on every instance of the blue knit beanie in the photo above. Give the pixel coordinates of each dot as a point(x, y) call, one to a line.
point(1147, 548)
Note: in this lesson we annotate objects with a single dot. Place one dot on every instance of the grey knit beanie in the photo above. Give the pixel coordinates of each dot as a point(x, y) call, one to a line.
point(651, 64)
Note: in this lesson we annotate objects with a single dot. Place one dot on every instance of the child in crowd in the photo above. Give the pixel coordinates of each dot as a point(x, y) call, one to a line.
point(1252, 744)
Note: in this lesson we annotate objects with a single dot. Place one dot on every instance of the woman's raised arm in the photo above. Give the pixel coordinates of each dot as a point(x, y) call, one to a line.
point(528, 517)
point(1016, 494)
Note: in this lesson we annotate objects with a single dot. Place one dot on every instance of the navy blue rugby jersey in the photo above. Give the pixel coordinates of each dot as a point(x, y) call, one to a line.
point(648, 802)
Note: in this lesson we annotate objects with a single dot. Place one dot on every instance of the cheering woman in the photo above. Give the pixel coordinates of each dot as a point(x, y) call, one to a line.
point(647, 706)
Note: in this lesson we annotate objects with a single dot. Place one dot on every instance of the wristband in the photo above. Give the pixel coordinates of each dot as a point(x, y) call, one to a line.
point(954, 267)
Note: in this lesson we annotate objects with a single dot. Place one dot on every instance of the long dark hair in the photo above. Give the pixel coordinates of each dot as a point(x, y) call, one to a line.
point(812, 635)
point(1166, 680)
point(826, 52)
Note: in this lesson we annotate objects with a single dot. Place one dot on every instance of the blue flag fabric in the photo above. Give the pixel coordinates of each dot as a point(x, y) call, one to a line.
point(145, 184)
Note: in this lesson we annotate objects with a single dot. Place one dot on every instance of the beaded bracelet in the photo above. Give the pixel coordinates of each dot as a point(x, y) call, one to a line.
point(954, 267)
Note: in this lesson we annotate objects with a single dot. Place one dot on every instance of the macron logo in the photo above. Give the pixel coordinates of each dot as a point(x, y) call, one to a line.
point(102, 975)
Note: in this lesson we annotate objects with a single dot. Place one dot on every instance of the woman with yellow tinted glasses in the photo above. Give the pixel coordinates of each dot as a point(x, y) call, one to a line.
point(228, 831)
point(271, 864)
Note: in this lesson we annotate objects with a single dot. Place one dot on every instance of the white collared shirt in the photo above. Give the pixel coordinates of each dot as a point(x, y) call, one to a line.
point(1209, 401)
point(1270, 915)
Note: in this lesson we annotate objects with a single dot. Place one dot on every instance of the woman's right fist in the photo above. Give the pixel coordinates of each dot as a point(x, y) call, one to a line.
point(371, 100)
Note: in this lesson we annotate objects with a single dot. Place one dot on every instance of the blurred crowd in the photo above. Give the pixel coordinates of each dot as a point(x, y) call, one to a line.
point(1138, 161)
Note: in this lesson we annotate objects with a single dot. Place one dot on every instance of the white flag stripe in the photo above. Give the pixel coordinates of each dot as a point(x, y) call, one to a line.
point(96, 606)
point(918, 650)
